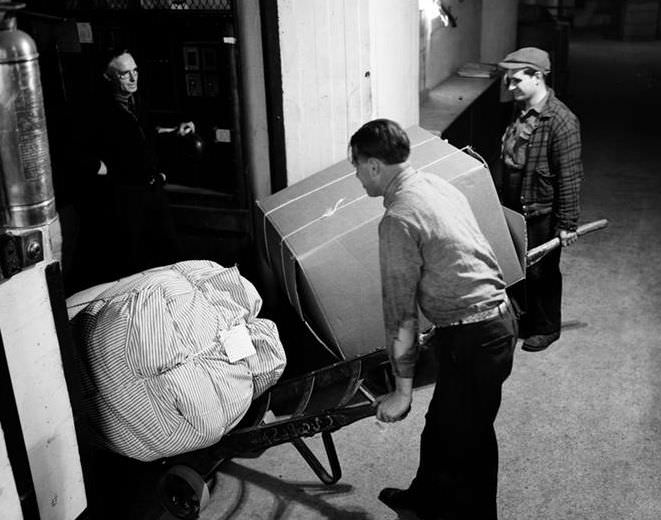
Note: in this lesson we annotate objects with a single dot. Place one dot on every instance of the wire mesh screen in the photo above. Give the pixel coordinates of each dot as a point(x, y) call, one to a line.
point(224, 5)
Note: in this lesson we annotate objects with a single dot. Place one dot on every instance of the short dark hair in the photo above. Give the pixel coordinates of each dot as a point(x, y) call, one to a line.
point(382, 139)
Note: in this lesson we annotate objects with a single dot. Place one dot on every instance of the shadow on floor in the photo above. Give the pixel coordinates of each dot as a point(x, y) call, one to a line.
point(285, 495)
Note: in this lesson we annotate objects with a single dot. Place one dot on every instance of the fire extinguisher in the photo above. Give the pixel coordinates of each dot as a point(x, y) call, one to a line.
point(28, 218)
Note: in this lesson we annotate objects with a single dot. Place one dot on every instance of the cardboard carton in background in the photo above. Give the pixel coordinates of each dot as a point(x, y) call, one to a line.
point(320, 237)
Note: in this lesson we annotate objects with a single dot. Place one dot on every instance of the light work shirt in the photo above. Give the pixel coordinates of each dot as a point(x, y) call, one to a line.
point(433, 255)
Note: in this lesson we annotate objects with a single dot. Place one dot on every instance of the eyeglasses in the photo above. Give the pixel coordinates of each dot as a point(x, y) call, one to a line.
point(125, 74)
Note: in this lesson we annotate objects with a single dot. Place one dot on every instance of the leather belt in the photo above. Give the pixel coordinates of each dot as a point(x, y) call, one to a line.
point(494, 312)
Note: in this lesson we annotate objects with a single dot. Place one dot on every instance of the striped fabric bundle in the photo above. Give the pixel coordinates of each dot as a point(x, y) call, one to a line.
point(171, 358)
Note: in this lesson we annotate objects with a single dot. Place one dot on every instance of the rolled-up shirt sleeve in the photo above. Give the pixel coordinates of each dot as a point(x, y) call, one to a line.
point(401, 263)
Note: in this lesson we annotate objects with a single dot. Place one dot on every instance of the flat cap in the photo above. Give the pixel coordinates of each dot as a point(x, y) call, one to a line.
point(527, 57)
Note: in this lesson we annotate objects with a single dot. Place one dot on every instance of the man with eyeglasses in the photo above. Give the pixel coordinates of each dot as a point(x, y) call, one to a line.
point(122, 74)
point(130, 204)
point(542, 175)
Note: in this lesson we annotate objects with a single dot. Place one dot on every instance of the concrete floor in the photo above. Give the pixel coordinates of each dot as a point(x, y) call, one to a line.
point(580, 424)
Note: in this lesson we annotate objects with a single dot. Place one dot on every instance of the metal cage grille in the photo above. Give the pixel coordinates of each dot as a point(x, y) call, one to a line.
point(223, 5)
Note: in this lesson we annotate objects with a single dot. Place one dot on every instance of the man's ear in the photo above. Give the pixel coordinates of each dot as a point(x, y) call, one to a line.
point(374, 166)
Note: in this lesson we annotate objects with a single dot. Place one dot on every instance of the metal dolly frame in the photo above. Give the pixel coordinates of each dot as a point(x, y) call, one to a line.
point(319, 402)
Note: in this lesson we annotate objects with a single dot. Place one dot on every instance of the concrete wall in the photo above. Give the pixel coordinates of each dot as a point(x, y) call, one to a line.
point(394, 29)
point(343, 63)
point(42, 399)
point(499, 19)
point(449, 47)
point(346, 62)
point(485, 31)
point(9, 502)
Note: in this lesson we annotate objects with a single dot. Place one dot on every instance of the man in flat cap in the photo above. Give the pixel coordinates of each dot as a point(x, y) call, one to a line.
point(542, 174)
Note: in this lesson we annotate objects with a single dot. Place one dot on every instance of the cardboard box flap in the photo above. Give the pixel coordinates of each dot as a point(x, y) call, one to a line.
point(306, 202)
point(305, 187)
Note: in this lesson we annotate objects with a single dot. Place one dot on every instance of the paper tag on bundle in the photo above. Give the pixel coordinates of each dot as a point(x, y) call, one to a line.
point(238, 344)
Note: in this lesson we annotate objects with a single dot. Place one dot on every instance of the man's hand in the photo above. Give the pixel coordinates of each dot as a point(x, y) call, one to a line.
point(567, 238)
point(186, 128)
point(103, 169)
point(393, 407)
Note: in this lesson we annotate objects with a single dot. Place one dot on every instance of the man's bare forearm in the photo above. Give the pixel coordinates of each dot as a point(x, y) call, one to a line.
point(404, 386)
point(402, 347)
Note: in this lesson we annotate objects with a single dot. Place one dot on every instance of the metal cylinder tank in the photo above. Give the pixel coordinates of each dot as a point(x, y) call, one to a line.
point(26, 189)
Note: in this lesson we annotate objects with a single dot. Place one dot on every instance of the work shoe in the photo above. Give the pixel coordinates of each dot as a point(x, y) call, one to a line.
point(539, 342)
point(405, 499)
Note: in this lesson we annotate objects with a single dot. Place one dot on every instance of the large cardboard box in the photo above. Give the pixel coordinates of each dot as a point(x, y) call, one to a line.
point(321, 240)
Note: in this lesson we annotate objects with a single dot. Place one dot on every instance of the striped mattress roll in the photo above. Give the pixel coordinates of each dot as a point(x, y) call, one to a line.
point(163, 368)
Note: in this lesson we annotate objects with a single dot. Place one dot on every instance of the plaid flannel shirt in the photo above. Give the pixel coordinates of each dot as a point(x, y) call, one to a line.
point(553, 171)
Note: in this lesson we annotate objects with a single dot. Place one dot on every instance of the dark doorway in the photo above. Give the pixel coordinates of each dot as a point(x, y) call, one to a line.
point(187, 56)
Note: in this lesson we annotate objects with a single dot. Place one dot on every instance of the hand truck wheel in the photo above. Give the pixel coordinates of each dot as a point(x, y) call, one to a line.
point(183, 492)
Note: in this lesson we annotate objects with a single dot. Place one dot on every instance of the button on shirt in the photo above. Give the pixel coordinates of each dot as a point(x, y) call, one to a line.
point(517, 135)
point(553, 169)
point(434, 255)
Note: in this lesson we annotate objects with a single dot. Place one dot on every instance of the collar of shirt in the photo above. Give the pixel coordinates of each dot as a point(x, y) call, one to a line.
point(126, 101)
point(395, 184)
point(536, 109)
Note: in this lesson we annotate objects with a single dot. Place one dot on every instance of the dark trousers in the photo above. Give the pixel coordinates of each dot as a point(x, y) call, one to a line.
point(543, 292)
point(543, 283)
point(458, 472)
